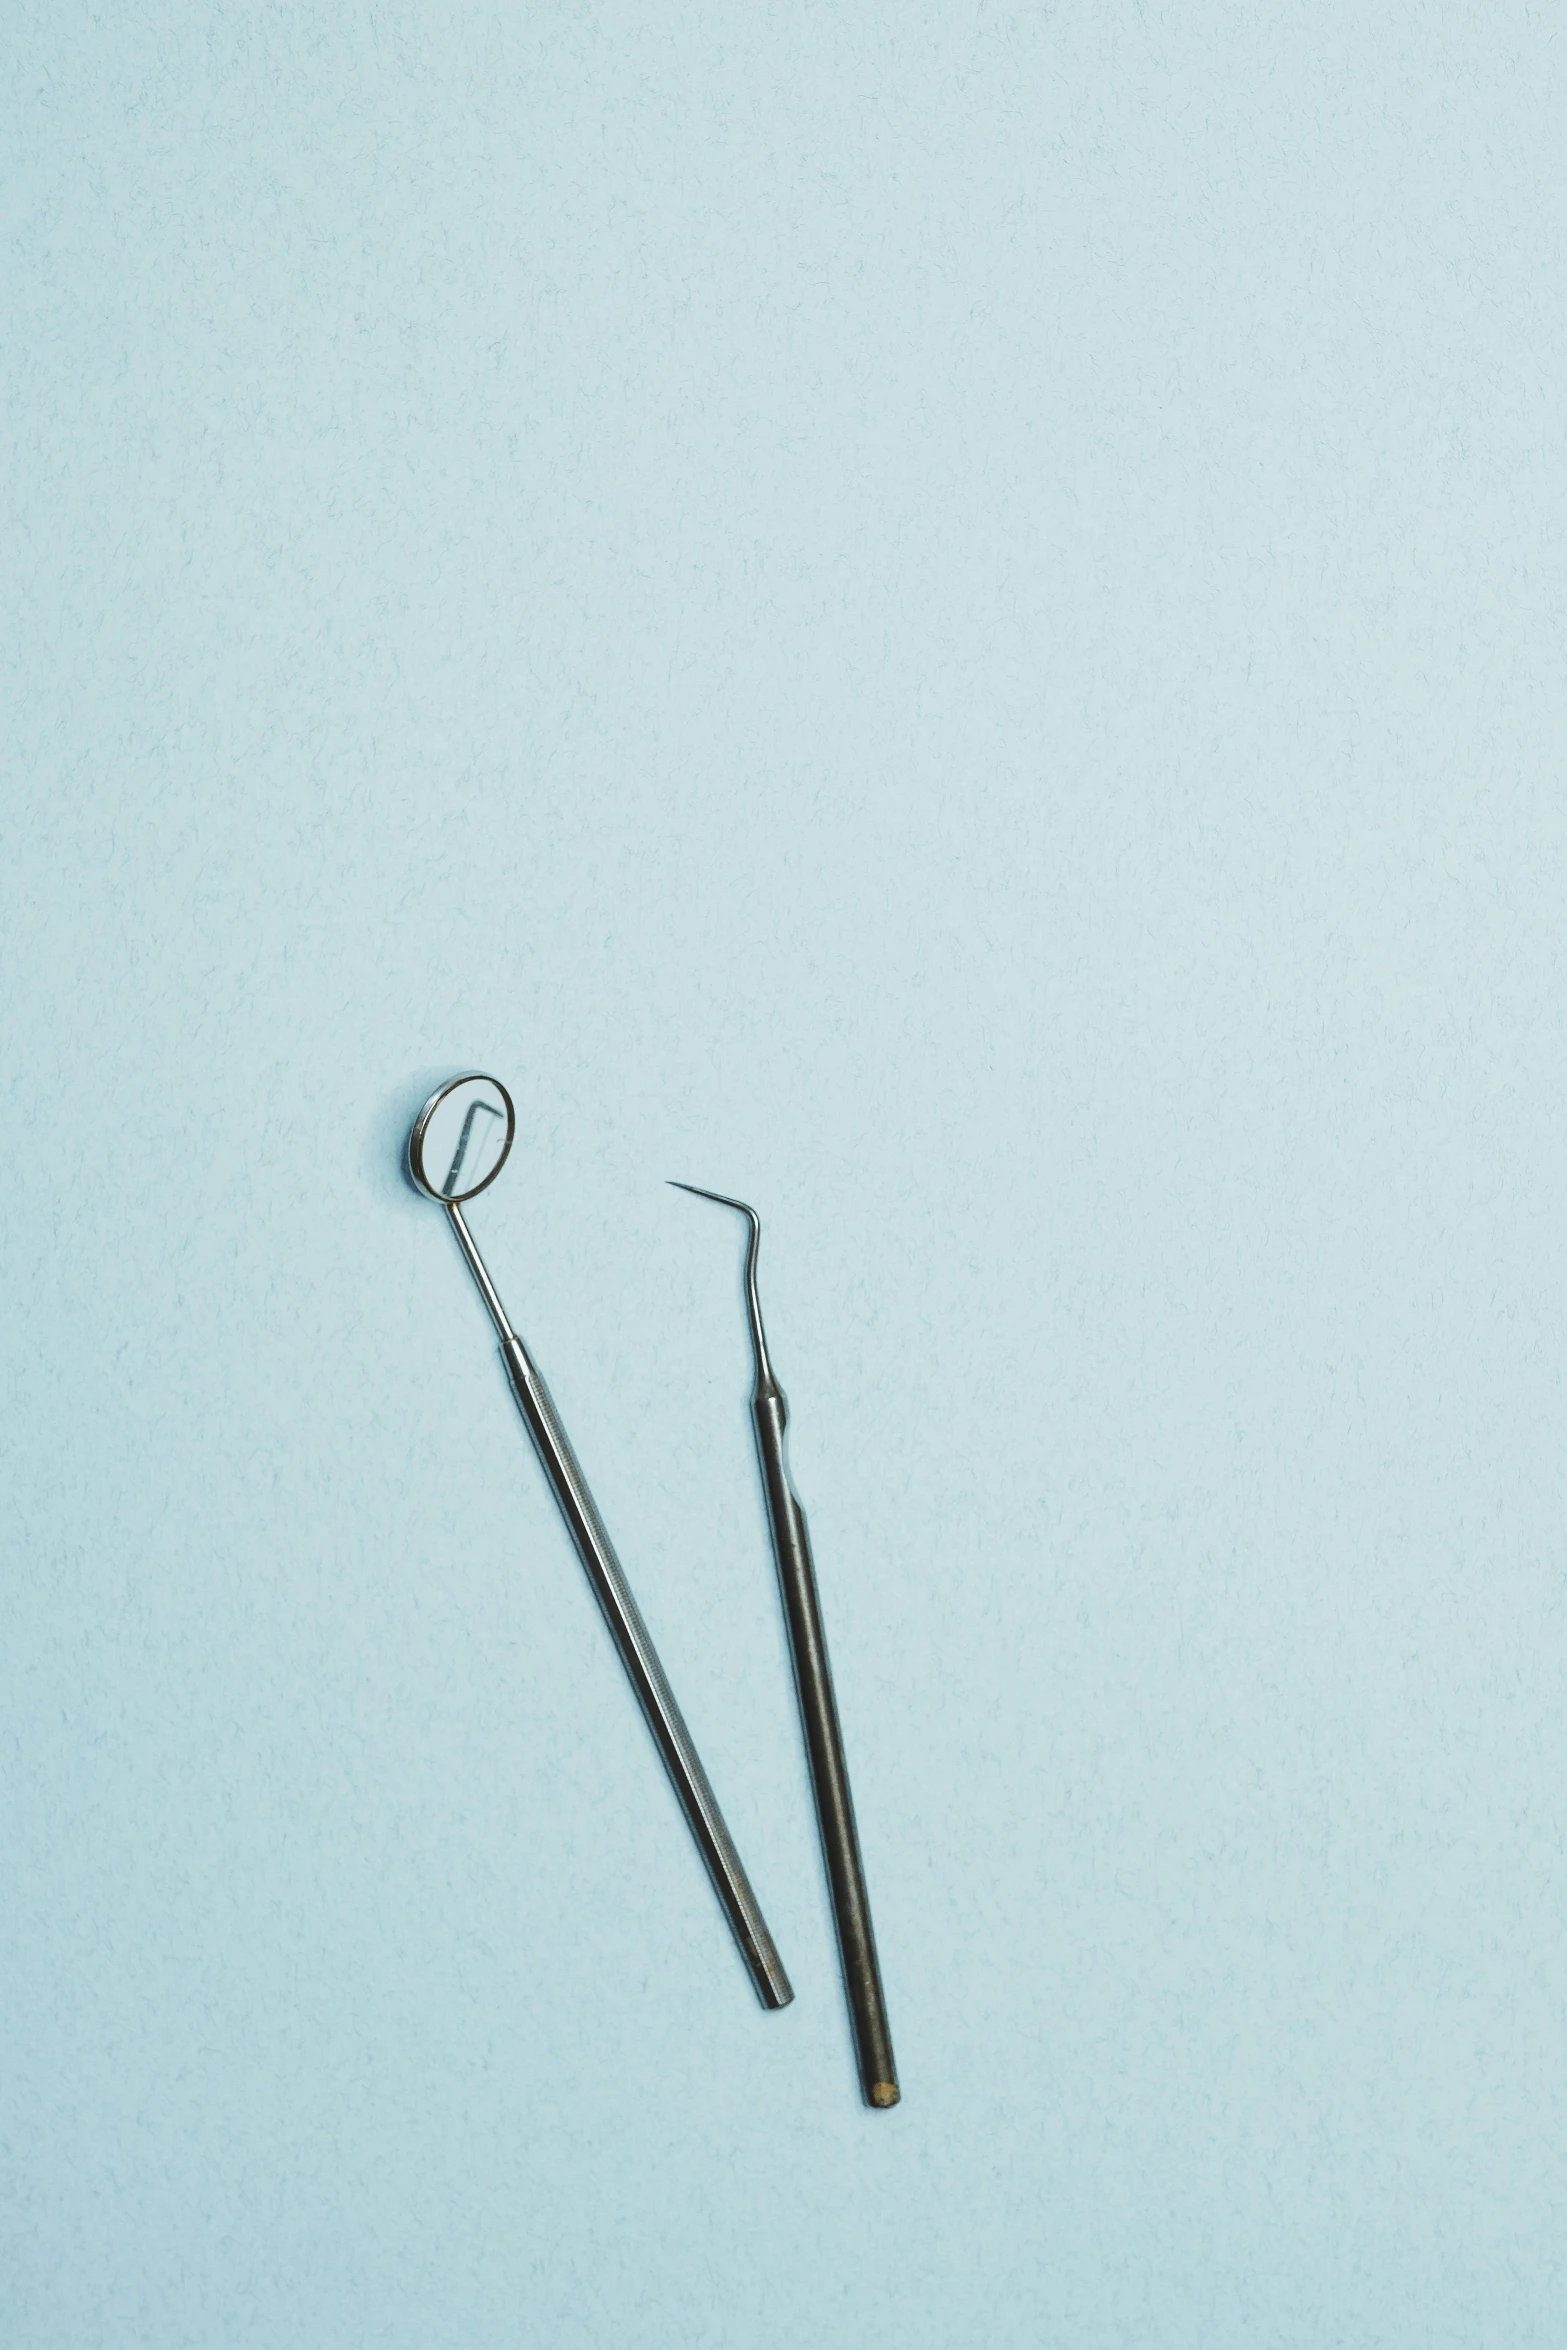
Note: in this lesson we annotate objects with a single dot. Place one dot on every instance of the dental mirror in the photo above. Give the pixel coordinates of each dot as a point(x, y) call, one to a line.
point(457, 1147)
point(461, 1137)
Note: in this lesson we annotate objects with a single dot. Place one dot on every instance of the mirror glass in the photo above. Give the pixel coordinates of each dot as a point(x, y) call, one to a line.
point(460, 1138)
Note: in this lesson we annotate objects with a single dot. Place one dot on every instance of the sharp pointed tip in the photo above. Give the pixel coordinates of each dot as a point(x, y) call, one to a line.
point(719, 1198)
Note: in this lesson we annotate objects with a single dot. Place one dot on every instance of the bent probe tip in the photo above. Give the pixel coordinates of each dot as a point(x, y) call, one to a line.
point(753, 1303)
point(722, 1198)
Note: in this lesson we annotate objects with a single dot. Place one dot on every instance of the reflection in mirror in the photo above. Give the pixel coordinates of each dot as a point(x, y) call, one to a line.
point(481, 1156)
point(461, 1137)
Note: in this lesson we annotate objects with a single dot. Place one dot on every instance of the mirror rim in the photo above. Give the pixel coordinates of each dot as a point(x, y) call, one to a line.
point(414, 1152)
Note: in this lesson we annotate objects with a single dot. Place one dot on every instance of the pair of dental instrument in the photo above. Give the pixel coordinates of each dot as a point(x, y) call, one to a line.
point(458, 1145)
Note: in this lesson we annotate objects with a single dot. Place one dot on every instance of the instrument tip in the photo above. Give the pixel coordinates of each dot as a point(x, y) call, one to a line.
point(764, 1371)
point(885, 2093)
point(721, 1197)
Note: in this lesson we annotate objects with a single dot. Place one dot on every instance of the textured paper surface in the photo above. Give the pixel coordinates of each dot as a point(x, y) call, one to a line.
point(949, 620)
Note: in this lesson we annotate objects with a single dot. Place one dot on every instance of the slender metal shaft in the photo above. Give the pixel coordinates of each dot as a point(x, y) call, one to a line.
point(631, 1637)
point(818, 1705)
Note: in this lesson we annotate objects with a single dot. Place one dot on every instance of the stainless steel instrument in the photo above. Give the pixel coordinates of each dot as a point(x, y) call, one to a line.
point(457, 1147)
point(818, 1705)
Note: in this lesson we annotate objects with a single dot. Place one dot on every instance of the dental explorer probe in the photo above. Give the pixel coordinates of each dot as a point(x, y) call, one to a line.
point(818, 1705)
point(458, 1146)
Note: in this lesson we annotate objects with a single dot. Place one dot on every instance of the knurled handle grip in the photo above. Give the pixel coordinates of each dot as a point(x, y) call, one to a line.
point(824, 1744)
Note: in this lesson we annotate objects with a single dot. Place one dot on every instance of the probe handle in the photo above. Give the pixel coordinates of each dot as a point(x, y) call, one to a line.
point(824, 1743)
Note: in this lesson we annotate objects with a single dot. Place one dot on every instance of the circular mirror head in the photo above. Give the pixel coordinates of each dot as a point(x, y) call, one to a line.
point(460, 1138)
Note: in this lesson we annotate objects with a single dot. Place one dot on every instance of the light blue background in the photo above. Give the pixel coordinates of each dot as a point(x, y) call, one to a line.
point(950, 619)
